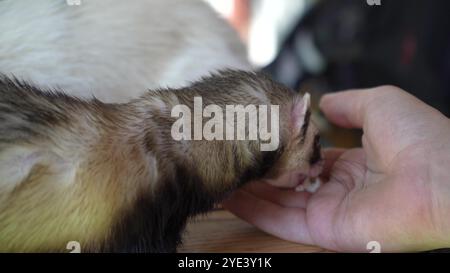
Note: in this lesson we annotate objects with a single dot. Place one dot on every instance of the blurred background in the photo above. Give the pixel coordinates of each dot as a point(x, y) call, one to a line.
point(322, 46)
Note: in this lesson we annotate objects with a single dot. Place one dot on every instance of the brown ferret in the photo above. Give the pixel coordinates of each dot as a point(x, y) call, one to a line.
point(113, 178)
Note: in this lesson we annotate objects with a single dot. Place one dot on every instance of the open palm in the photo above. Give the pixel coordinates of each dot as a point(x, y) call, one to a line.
point(387, 191)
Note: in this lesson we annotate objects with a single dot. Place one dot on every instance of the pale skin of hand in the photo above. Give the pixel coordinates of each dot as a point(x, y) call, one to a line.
point(394, 190)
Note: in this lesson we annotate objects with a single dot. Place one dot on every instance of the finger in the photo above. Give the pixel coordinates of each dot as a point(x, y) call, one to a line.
point(350, 108)
point(330, 155)
point(286, 223)
point(345, 109)
point(282, 197)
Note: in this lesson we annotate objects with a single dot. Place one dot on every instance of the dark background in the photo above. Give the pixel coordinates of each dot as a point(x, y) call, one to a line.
point(400, 42)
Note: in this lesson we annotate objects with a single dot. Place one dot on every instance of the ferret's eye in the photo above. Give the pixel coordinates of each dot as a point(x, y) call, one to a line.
point(315, 155)
point(305, 126)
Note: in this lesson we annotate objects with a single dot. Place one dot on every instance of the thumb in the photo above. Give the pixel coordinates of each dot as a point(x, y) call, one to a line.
point(352, 109)
point(348, 108)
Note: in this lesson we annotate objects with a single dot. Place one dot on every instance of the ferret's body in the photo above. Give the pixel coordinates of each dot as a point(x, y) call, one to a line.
point(111, 177)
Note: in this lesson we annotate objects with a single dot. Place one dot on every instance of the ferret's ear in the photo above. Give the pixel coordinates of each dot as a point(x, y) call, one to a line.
point(300, 108)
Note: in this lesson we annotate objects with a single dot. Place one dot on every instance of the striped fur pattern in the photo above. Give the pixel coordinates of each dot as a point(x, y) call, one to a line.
point(111, 177)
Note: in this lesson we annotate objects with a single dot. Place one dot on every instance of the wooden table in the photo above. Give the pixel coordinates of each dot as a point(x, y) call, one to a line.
point(220, 231)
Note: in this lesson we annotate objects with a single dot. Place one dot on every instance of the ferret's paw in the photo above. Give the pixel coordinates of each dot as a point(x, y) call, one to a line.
point(310, 185)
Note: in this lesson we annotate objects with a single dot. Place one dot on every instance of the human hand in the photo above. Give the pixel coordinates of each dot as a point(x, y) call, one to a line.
point(394, 190)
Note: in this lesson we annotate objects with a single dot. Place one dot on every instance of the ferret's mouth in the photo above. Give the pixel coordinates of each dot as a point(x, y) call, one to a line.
point(300, 180)
point(308, 183)
point(313, 172)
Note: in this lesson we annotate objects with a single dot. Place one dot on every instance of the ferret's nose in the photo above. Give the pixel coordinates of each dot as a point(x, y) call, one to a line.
point(316, 169)
point(315, 155)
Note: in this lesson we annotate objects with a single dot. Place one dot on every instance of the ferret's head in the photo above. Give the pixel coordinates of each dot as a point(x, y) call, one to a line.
point(299, 156)
point(297, 153)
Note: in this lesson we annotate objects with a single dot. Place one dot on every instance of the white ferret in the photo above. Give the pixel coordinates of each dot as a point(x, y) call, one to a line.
point(114, 50)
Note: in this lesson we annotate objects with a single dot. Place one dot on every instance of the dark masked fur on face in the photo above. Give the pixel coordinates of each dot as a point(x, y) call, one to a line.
point(111, 176)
